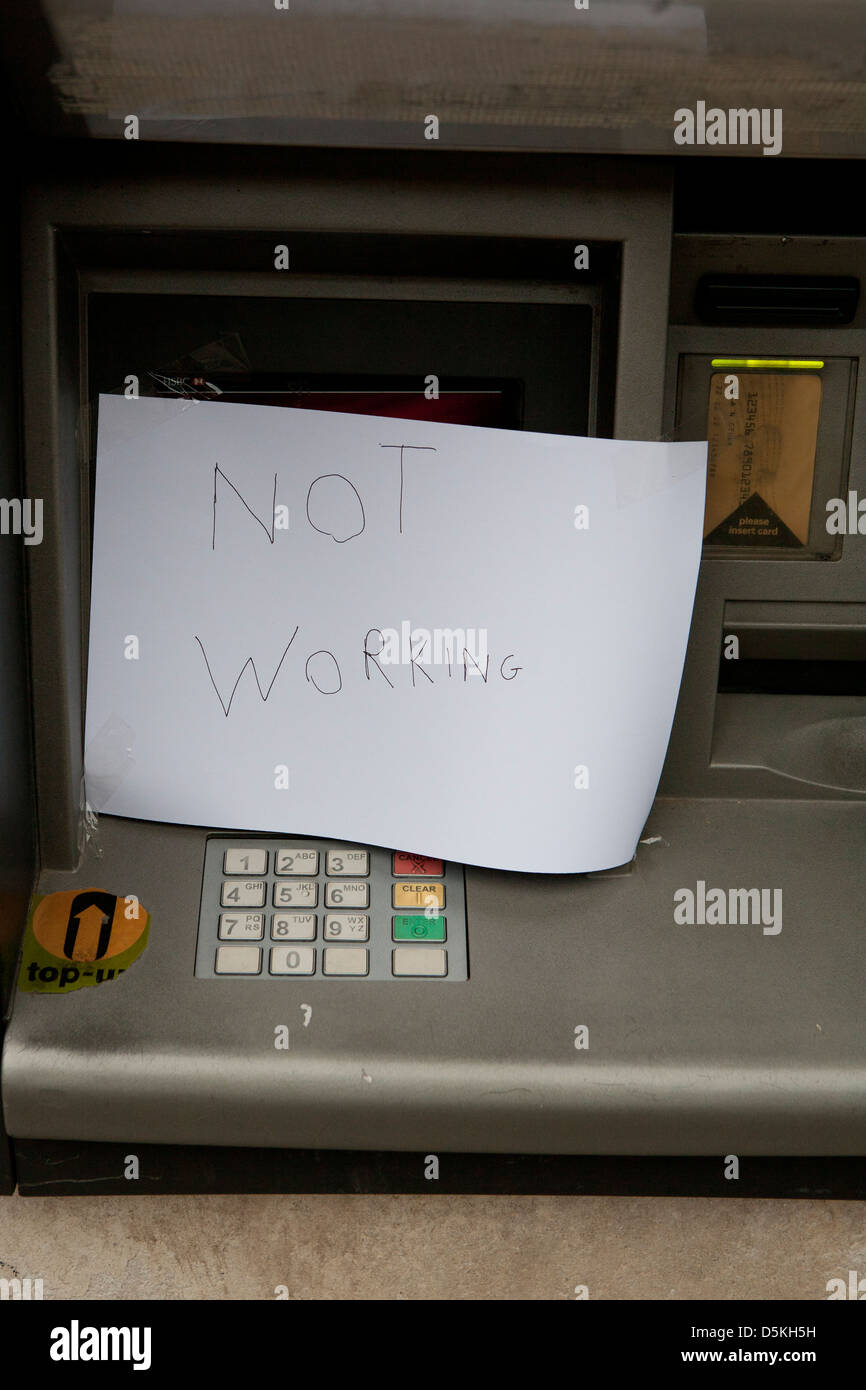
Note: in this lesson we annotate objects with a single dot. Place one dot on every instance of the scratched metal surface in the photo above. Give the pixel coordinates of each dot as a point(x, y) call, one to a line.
point(531, 73)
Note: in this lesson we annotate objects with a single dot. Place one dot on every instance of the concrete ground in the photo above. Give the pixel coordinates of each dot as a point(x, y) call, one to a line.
point(346, 1247)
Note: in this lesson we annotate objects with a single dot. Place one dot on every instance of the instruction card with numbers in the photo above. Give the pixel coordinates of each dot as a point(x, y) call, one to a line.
point(460, 641)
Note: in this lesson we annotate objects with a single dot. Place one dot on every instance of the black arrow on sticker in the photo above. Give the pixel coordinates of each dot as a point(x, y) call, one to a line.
point(83, 905)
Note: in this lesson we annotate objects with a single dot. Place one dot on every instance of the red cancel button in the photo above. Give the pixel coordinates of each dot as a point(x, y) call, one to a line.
point(416, 864)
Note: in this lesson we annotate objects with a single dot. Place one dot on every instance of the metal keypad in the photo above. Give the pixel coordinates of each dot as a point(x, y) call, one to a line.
point(276, 907)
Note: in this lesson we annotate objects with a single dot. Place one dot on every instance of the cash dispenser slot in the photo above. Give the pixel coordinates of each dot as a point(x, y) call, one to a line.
point(816, 652)
point(792, 692)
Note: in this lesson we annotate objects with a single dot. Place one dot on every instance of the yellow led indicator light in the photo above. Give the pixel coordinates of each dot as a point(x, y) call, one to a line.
point(777, 364)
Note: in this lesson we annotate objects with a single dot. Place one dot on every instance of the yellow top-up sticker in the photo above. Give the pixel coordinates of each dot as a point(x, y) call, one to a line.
point(78, 938)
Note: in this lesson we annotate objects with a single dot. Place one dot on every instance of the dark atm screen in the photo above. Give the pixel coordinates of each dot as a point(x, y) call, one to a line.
point(503, 365)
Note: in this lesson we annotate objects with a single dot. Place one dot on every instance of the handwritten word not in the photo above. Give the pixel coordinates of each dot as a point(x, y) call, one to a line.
point(334, 505)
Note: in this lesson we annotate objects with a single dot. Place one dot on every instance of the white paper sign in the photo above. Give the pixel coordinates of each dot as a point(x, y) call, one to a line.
point(458, 641)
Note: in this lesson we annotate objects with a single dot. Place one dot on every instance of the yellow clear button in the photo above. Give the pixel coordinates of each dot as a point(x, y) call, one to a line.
point(419, 895)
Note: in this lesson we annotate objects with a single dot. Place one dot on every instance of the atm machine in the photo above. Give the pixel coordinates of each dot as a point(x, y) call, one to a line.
point(611, 1031)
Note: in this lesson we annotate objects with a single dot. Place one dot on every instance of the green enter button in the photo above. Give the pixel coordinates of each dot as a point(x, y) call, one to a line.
point(416, 927)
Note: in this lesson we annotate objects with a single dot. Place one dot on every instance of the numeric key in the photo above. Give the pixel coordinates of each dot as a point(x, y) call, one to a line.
point(297, 892)
point(298, 862)
point(246, 893)
point(347, 892)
